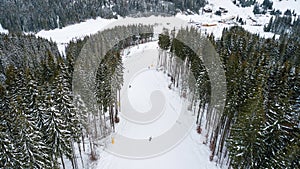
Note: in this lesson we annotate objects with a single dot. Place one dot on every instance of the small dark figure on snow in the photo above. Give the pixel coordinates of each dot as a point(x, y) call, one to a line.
point(170, 86)
point(173, 80)
point(150, 138)
point(129, 86)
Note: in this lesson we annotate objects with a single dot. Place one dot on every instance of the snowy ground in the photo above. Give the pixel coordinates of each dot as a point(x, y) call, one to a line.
point(72, 32)
point(77, 31)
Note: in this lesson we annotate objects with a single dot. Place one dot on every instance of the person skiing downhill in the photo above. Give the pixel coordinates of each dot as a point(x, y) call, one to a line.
point(150, 138)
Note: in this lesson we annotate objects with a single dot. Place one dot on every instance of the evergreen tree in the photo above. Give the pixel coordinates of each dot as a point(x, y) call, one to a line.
point(164, 41)
point(55, 131)
point(7, 154)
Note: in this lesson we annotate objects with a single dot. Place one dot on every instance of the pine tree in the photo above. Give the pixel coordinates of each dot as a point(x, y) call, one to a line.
point(164, 40)
point(268, 27)
point(55, 131)
point(7, 154)
point(33, 149)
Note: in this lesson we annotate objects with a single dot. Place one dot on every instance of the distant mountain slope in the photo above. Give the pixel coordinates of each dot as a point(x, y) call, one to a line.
point(32, 15)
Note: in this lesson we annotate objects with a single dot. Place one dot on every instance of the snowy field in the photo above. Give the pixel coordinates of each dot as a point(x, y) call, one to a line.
point(77, 31)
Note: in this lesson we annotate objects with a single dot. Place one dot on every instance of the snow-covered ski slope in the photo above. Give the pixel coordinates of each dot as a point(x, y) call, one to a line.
point(190, 152)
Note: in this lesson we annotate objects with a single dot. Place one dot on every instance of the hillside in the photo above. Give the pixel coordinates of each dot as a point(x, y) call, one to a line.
point(33, 16)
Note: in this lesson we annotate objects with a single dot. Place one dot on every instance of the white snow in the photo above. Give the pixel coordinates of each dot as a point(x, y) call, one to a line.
point(2, 30)
point(76, 31)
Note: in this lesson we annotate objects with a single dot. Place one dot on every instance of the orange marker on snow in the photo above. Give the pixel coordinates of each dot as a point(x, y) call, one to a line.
point(112, 140)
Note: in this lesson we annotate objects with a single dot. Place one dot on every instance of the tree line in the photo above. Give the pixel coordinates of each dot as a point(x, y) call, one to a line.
point(286, 25)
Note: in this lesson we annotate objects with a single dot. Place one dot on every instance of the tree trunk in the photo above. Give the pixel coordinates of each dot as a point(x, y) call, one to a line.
point(198, 114)
point(73, 160)
point(202, 112)
point(62, 160)
point(214, 140)
point(92, 149)
point(95, 126)
point(208, 116)
point(101, 118)
point(104, 122)
point(178, 77)
point(111, 114)
point(79, 148)
point(158, 60)
point(83, 145)
point(119, 100)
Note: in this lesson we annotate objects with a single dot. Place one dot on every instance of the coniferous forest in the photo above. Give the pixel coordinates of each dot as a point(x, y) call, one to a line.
point(262, 105)
point(259, 127)
point(41, 118)
point(38, 119)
